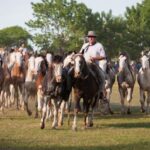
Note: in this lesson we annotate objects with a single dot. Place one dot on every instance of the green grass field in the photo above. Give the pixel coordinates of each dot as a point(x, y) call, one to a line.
point(111, 132)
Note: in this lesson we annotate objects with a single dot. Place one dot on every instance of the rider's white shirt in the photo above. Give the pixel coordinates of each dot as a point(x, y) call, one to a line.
point(93, 51)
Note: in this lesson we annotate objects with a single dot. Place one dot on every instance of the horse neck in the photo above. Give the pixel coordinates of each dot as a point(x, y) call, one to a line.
point(29, 75)
point(6, 70)
point(43, 68)
point(85, 70)
point(146, 73)
point(128, 71)
point(50, 73)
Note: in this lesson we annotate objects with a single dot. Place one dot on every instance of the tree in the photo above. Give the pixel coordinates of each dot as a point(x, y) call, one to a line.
point(111, 33)
point(13, 36)
point(137, 32)
point(60, 24)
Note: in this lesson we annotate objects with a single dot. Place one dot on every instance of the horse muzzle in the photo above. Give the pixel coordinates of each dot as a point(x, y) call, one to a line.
point(77, 74)
point(58, 79)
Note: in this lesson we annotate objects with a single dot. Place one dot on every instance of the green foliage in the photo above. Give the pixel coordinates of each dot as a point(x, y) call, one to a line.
point(61, 25)
point(111, 33)
point(137, 30)
point(13, 35)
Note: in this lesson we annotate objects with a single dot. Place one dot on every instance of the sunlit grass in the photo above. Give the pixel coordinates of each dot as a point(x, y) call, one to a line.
point(129, 132)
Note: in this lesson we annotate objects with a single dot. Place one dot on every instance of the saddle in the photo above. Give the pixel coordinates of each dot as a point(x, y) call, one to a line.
point(97, 74)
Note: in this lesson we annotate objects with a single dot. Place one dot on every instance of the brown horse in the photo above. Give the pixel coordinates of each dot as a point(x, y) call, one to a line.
point(55, 91)
point(5, 81)
point(33, 87)
point(86, 85)
point(18, 78)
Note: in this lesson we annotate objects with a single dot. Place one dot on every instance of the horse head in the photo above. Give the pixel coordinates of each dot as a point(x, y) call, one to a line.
point(145, 62)
point(57, 66)
point(80, 67)
point(122, 62)
point(43, 67)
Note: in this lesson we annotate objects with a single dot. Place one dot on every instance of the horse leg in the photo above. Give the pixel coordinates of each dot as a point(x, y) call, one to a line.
point(6, 99)
point(74, 126)
point(36, 107)
point(20, 91)
point(17, 96)
point(61, 115)
point(122, 101)
point(55, 121)
point(26, 97)
point(2, 102)
point(12, 93)
point(9, 99)
point(142, 100)
point(68, 106)
point(49, 112)
point(129, 98)
point(39, 99)
point(44, 110)
point(89, 117)
point(148, 102)
point(77, 108)
point(108, 93)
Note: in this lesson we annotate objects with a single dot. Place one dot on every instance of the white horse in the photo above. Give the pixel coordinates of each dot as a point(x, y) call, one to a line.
point(144, 83)
point(110, 79)
point(126, 80)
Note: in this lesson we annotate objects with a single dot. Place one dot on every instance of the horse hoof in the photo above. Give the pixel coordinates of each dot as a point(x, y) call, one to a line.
point(123, 113)
point(60, 124)
point(42, 126)
point(74, 128)
point(128, 112)
point(89, 125)
point(36, 116)
point(143, 110)
point(29, 113)
point(111, 112)
point(54, 127)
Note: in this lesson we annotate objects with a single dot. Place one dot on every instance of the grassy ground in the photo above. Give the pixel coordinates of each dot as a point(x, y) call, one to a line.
point(129, 132)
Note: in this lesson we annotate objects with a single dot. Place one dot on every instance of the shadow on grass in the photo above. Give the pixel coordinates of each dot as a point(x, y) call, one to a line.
point(130, 125)
point(135, 113)
point(137, 146)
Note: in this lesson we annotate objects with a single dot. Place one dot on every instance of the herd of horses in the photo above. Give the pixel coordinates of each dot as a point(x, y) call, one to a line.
point(70, 79)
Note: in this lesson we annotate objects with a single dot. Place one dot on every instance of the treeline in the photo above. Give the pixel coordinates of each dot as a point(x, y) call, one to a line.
point(61, 25)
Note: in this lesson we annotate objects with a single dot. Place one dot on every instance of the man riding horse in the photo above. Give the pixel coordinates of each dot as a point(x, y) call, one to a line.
point(93, 52)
